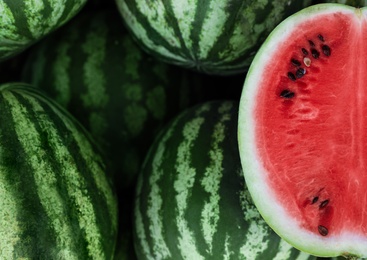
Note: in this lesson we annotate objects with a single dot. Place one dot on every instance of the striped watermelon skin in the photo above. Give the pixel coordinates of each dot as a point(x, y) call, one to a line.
point(56, 199)
point(191, 200)
point(213, 36)
point(119, 93)
point(23, 22)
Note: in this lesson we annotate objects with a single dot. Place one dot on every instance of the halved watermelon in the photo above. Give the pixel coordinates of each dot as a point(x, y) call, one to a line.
point(303, 130)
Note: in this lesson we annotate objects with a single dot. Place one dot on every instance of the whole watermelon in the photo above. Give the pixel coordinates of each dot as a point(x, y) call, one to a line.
point(23, 22)
point(215, 36)
point(191, 199)
point(56, 198)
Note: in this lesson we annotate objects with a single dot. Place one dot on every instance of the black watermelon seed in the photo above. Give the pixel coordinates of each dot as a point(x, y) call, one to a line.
point(324, 204)
point(315, 200)
point(323, 230)
point(321, 37)
point(286, 93)
point(296, 62)
point(315, 53)
point(311, 43)
point(300, 72)
point(291, 76)
point(304, 51)
point(326, 50)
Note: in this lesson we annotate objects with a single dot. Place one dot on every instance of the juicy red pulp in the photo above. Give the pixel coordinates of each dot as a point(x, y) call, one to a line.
point(312, 126)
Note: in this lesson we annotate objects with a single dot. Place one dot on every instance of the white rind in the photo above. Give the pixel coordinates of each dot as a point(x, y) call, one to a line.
point(254, 172)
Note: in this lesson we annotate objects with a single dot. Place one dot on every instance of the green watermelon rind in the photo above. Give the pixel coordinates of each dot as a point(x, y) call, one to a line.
point(254, 173)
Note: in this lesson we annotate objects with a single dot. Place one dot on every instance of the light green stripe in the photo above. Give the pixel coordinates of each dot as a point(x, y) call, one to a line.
point(183, 185)
point(60, 70)
point(10, 228)
point(94, 80)
point(227, 252)
point(256, 237)
point(156, 13)
point(45, 178)
point(284, 250)
point(185, 12)
point(212, 178)
point(139, 30)
point(58, 8)
point(9, 32)
point(304, 256)
point(213, 26)
point(32, 11)
point(256, 241)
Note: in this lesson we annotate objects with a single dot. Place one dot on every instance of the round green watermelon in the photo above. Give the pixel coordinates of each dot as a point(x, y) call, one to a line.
point(191, 199)
point(23, 22)
point(302, 130)
point(57, 200)
point(218, 37)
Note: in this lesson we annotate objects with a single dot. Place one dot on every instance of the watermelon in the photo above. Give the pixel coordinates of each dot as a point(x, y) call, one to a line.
point(23, 22)
point(56, 196)
point(218, 37)
point(302, 130)
point(191, 200)
point(120, 94)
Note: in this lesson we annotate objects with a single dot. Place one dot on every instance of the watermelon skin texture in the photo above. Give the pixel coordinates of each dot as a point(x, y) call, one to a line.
point(191, 200)
point(23, 22)
point(56, 199)
point(121, 95)
point(215, 37)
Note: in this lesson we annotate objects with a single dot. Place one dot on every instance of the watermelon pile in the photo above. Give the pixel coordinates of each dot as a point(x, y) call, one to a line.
point(198, 130)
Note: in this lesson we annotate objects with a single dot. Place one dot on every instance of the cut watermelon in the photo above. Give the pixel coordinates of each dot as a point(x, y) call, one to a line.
point(302, 130)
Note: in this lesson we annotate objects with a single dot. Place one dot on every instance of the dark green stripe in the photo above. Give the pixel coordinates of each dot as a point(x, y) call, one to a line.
point(21, 22)
point(170, 17)
point(199, 161)
point(223, 41)
point(152, 34)
point(202, 11)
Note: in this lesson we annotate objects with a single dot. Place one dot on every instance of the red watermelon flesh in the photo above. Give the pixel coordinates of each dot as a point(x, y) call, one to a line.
point(303, 130)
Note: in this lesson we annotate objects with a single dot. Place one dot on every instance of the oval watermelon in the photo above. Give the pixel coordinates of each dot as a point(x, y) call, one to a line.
point(56, 200)
point(302, 130)
point(23, 22)
point(191, 200)
point(121, 95)
point(215, 37)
